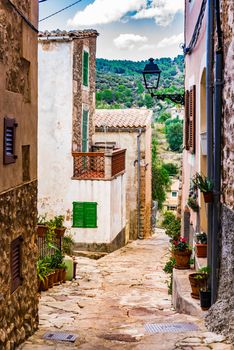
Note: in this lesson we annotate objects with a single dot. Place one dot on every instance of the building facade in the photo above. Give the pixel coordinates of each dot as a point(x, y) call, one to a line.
point(131, 129)
point(87, 187)
point(208, 134)
point(18, 169)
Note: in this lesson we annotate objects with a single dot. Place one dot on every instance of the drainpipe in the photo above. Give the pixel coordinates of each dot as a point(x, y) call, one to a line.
point(139, 236)
point(218, 88)
point(209, 116)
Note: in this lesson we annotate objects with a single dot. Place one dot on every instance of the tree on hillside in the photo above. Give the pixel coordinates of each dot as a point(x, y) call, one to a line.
point(174, 135)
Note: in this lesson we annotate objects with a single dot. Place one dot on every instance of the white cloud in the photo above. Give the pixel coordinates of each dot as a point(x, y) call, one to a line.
point(105, 11)
point(129, 41)
point(146, 47)
point(172, 40)
point(163, 11)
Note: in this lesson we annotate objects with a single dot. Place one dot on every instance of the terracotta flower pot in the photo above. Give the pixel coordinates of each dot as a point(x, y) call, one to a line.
point(201, 250)
point(43, 285)
point(56, 276)
point(50, 280)
point(208, 197)
point(182, 259)
point(63, 279)
point(59, 231)
point(42, 230)
point(196, 284)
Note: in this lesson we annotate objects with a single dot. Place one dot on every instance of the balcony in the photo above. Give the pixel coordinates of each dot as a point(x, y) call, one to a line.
point(98, 165)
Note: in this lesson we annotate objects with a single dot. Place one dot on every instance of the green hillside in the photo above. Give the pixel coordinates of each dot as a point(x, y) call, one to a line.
point(119, 83)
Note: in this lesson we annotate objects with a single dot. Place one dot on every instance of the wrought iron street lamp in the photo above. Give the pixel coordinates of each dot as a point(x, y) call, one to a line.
point(151, 75)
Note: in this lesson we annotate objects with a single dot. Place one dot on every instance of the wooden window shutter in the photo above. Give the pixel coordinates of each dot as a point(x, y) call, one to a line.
point(78, 214)
point(85, 131)
point(85, 68)
point(90, 215)
point(186, 121)
point(16, 263)
point(9, 141)
point(192, 119)
point(85, 214)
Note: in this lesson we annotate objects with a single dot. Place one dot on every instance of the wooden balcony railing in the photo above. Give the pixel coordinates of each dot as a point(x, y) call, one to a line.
point(98, 165)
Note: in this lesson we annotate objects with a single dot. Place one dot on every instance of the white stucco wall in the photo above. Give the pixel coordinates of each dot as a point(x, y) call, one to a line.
point(55, 163)
point(56, 189)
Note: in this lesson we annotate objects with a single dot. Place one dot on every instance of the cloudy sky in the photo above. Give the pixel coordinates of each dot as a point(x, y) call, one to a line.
point(129, 29)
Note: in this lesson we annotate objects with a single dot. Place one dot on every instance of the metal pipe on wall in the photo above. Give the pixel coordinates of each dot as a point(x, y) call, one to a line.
point(218, 88)
point(209, 116)
point(139, 236)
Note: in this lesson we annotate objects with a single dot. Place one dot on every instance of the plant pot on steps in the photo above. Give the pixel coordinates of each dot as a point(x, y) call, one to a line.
point(43, 285)
point(51, 280)
point(205, 300)
point(182, 259)
point(196, 284)
point(201, 250)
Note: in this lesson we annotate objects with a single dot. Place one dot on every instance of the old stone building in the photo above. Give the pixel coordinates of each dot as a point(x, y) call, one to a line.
point(209, 145)
point(87, 187)
point(130, 129)
point(18, 169)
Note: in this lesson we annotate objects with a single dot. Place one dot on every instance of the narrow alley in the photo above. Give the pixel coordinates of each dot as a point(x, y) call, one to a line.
point(112, 300)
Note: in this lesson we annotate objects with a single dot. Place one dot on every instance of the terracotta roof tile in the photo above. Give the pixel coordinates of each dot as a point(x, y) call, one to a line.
point(122, 118)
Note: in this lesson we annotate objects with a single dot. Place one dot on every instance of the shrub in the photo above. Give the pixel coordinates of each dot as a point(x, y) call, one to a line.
point(168, 217)
point(171, 168)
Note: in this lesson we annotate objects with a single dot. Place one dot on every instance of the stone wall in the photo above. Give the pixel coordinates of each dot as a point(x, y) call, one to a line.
point(19, 310)
point(81, 94)
point(221, 314)
point(228, 98)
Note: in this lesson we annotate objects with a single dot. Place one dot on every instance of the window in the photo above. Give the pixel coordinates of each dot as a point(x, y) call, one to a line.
point(85, 214)
point(171, 207)
point(174, 194)
point(16, 263)
point(85, 130)
point(9, 141)
point(85, 68)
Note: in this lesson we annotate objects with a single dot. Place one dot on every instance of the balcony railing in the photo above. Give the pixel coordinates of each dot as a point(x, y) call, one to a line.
point(98, 165)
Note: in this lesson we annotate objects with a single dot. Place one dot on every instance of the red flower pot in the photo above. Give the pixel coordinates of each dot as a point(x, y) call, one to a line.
point(59, 231)
point(42, 230)
point(201, 250)
point(196, 284)
point(182, 258)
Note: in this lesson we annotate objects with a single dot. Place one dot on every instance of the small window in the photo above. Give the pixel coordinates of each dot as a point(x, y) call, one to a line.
point(174, 194)
point(9, 141)
point(85, 214)
point(16, 263)
point(171, 207)
point(85, 68)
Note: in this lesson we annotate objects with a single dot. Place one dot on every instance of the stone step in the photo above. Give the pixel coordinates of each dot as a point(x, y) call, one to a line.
point(89, 254)
point(181, 294)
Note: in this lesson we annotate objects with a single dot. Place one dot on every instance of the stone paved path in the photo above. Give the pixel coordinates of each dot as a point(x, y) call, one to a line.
point(111, 301)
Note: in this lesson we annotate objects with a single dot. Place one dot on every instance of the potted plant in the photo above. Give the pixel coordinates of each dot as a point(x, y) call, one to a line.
point(201, 244)
point(50, 272)
point(205, 185)
point(57, 265)
point(197, 281)
point(205, 292)
point(192, 203)
point(42, 270)
point(182, 253)
point(42, 226)
point(59, 228)
point(68, 244)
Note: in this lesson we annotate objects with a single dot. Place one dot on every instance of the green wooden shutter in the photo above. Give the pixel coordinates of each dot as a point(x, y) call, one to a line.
point(85, 131)
point(85, 68)
point(90, 219)
point(78, 214)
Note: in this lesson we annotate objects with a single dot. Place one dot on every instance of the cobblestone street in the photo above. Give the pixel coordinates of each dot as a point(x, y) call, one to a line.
point(111, 301)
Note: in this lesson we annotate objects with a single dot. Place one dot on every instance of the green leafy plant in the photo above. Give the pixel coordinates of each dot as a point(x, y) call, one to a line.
point(42, 269)
point(42, 220)
point(68, 244)
point(168, 268)
point(58, 221)
point(171, 168)
point(168, 218)
point(203, 183)
point(203, 274)
point(172, 225)
point(192, 203)
point(201, 237)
